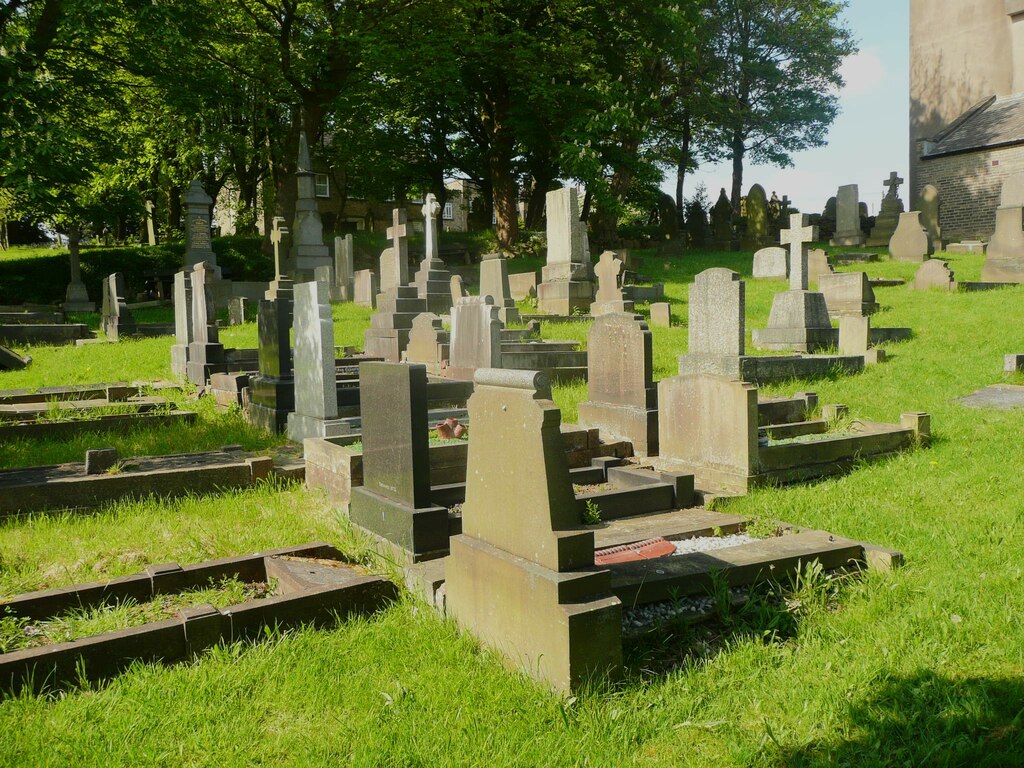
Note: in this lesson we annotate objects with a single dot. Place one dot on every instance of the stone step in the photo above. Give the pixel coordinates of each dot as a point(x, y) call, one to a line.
point(650, 581)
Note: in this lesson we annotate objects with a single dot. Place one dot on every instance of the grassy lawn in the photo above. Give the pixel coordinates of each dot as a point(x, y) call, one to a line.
point(924, 666)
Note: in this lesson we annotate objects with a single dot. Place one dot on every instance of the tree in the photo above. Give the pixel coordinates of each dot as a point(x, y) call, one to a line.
point(779, 63)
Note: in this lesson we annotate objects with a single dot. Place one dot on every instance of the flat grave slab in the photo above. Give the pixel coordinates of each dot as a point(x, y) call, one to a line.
point(32, 429)
point(998, 397)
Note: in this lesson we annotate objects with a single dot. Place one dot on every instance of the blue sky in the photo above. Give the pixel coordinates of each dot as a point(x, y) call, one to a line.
point(868, 139)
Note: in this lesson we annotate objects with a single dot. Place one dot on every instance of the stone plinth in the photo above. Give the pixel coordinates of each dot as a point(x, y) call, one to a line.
point(494, 282)
point(621, 397)
point(566, 286)
point(798, 322)
point(521, 576)
point(1005, 259)
point(433, 280)
point(388, 335)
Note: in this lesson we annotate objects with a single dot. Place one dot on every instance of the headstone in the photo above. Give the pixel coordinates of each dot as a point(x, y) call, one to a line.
point(237, 310)
point(854, 339)
point(934, 273)
point(848, 293)
point(183, 328)
point(621, 396)
point(910, 241)
point(205, 353)
point(661, 315)
point(100, 460)
point(433, 280)
point(717, 314)
point(566, 287)
point(150, 223)
point(308, 250)
point(494, 283)
point(930, 206)
point(316, 386)
point(12, 361)
point(457, 289)
point(1005, 259)
point(771, 264)
point(366, 289)
point(198, 243)
point(523, 285)
point(76, 298)
point(1012, 195)
point(394, 261)
point(721, 222)
point(394, 502)
point(116, 318)
point(609, 296)
point(344, 268)
point(848, 231)
point(757, 217)
point(817, 265)
point(889, 214)
point(273, 389)
point(429, 343)
point(799, 318)
point(282, 285)
point(508, 576)
point(475, 337)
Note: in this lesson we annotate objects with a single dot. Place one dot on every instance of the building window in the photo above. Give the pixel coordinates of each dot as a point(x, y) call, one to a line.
point(449, 211)
point(322, 184)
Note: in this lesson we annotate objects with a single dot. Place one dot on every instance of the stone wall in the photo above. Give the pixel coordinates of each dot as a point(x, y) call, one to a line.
point(970, 186)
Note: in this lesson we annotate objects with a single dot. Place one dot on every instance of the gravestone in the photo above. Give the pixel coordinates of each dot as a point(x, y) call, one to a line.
point(198, 244)
point(1004, 262)
point(799, 318)
point(523, 285)
point(889, 214)
point(237, 310)
point(116, 318)
point(12, 361)
point(721, 222)
point(661, 315)
point(366, 288)
point(308, 250)
point(273, 389)
point(1012, 194)
point(717, 315)
point(76, 297)
point(183, 328)
point(397, 303)
point(429, 343)
point(475, 337)
point(521, 577)
point(855, 337)
point(827, 222)
point(458, 290)
point(930, 206)
point(848, 293)
point(205, 353)
point(621, 397)
point(433, 278)
point(150, 223)
point(344, 268)
point(910, 241)
point(282, 285)
point(394, 501)
point(566, 281)
point(609, 296)
point(494, 283)
point(316, 385)
point(934, 273)
point(848, 231)
point(757, 217)
point(817, 265)
point(771, 264)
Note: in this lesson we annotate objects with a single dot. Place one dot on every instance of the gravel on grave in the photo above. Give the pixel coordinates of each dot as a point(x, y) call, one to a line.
point(710, 543)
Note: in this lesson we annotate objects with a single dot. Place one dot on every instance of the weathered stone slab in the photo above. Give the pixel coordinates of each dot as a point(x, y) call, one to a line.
point(848, 293)
point(475, 337)
point(910, 241)
point(934, 274)
point(1005, 261)
point(523, 285)
point(998, 397)
point(366, 288)
point(661, 315)
point(344, 269)
point(848, 231)
point(316, 395)
point(771, 264)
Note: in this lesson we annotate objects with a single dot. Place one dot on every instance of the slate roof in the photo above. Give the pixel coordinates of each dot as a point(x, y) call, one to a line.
point(993, 123)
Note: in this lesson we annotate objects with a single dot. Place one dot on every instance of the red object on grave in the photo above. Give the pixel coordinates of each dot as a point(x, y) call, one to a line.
point(444, 431)
point(631, 553)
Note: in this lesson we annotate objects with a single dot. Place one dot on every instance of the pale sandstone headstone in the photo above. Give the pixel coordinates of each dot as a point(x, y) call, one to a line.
point(848, 293)
point(494, 282)
point(661, 315)
point(475, 337)
point(433, 278)
point(910, 241)
point(457, 289)
point(428, 342)
point(934, 273)
point(609, 296)
point(797, 237)
point(116, 319)
point(854, 339)
point(366, 288)
point(316, 389)
point(183, 329)
point(717, 314)
point(523, 285)
point(1012, 195)
point(509, 572)
point(848, 231)
point(205, 351)
point(817, 265)
point(1005, 258)
point(930, 205)
point(566, 285)
point(237, 310)
point(771, 264)
point(344, 268)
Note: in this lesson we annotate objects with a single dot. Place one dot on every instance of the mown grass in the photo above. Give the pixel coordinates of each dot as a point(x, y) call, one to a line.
point(920, 667)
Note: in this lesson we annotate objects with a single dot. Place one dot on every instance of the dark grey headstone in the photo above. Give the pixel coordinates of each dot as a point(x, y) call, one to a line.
point(99, 460)
point(274, 324)
point(396, 460)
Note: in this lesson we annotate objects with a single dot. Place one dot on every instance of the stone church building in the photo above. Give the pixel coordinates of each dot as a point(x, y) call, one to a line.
point(966, 107)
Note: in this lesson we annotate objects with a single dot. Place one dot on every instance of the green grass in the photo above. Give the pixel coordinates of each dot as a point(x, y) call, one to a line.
point(920, 667)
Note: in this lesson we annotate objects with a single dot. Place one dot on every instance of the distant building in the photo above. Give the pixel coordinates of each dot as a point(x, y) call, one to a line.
point(966, 107)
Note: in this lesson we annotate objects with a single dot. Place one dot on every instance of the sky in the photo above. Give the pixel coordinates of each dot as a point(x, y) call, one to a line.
point(869, 138)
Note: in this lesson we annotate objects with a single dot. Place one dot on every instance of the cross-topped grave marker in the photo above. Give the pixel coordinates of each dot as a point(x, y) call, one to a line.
point(433, 281)
point(797, 237)
point(609, 294)
point(277, 234)
point(893, 184)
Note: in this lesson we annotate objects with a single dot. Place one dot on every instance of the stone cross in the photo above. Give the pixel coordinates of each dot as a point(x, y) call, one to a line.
point(786, 202)
point(608, 270)
point(431, 208)
point(276, 236)
point(397, 233)
point(797, 237)
point(893, 183)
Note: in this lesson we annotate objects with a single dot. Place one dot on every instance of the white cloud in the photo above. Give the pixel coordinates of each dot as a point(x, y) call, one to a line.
point(863, 73)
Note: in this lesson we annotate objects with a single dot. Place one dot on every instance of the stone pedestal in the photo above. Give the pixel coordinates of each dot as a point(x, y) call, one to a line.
point(198, 243)
point(798, 322)
point(566, 286)
point(494, 283)
point(205, 352)
point(886, 222)
point(1005, 258)
point(308, 250)
point(388, 335)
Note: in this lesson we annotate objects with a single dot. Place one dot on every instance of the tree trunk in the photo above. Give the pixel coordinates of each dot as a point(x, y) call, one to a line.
point(542, 183)
point(738, 151)
point(683, 164)
point(494, 116)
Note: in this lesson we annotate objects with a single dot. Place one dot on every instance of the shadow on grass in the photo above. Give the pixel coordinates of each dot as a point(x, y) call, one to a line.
point(926, 719)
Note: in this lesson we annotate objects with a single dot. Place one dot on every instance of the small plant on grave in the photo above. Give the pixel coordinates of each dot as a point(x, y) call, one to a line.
point(12, 633)
point(761, 528)
point(116, 468)
point(813, 590)
point(591, 513)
